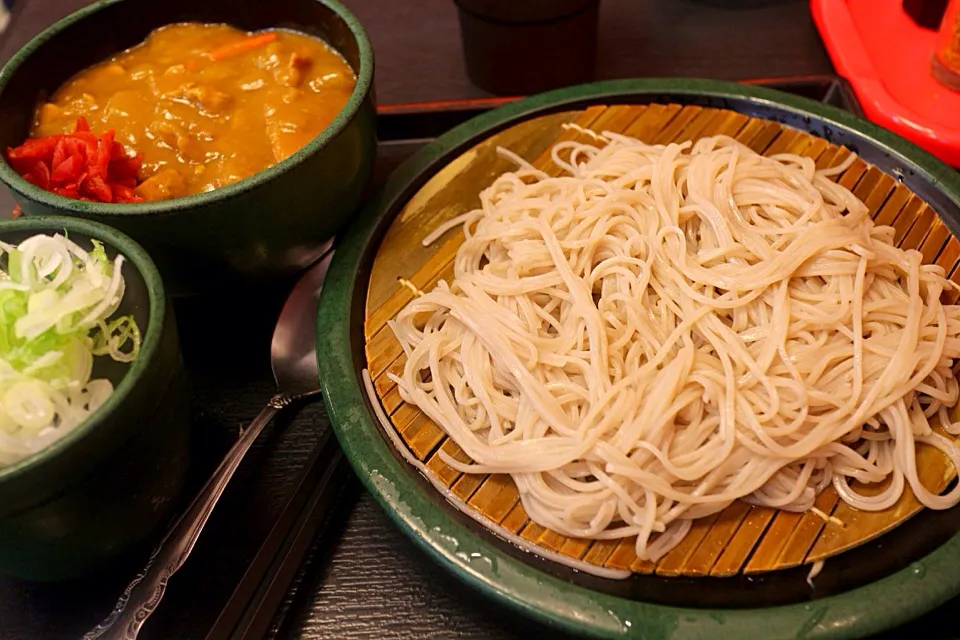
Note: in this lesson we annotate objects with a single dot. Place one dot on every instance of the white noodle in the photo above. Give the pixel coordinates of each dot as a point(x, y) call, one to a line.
point(443, 228)
point(815, 570)
point(663, 330)
point(455, 501)
point(567, 126)
point(827, 518)
point(409, 285)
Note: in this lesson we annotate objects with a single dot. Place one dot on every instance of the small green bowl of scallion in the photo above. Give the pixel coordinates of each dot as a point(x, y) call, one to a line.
point(94, 425)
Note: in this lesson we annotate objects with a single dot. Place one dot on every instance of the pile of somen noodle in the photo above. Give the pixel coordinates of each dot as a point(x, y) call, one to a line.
point(662, 330)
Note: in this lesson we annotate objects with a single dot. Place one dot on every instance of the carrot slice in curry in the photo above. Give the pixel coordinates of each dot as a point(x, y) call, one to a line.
point(241, 46)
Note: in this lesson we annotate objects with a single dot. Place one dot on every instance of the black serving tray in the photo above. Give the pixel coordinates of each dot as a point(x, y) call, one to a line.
point(359, 566)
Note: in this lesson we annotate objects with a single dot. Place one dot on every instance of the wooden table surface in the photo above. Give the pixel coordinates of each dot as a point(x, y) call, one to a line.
point(418, 55)
point(363, 578)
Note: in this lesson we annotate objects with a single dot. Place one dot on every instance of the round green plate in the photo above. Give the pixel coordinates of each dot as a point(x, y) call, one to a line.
point(470, 554)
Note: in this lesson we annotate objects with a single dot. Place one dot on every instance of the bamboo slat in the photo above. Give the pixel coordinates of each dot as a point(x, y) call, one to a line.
point(741, 538)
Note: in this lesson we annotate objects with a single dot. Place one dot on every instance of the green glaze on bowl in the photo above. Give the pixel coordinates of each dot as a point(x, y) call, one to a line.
point(470, 554)
point(104, 487)
point(270, 224)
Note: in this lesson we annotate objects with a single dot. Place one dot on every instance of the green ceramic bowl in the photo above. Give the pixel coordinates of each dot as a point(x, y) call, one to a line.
point(105, 487)
point(270, 224)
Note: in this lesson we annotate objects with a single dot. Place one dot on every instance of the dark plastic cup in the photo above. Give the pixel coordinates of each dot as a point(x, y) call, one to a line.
point(522, 47)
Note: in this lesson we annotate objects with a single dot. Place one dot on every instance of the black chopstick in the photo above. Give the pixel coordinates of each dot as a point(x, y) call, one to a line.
point(257, 597)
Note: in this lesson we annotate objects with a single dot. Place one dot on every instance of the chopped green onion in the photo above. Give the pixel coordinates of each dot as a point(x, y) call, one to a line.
point(56, 303)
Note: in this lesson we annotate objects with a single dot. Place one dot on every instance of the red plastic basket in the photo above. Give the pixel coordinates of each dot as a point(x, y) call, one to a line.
point(886, 56)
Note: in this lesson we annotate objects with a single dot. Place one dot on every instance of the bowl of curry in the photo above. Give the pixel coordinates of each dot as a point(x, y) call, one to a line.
point(232, 144)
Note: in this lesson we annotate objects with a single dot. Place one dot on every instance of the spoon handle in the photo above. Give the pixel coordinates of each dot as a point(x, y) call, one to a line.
point(143, 594)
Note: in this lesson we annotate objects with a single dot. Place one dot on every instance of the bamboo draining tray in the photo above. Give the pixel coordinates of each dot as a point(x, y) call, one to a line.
point(742, 538)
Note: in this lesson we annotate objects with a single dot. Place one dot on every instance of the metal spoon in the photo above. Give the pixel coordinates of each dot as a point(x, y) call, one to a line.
point(293, 358)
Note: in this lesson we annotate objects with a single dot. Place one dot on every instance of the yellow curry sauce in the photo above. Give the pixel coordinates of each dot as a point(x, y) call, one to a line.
point(206, 104)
